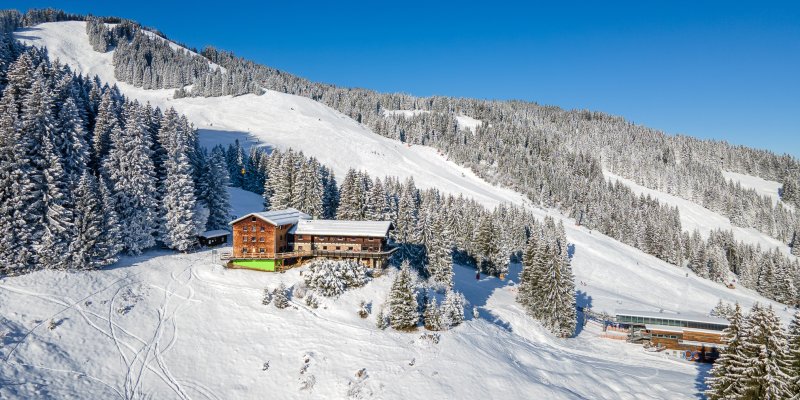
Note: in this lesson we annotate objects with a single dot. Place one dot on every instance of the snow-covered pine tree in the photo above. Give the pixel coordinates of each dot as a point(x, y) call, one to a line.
point(351, 197)
point(216, 194)
point(766, 368)
point(308, 189)
point(111, 238)
point(85, 251)
point(402, 301)
point(129, 167)
point(717, 263)
point(486, 244)
point(282, 181)
point(432, 316)
point(547, 287)
point(452, 309)
point(57, 226)
point(440, 254)
point(179, 201)
point(280, 296)
point(106, 121)
point(724, 381)
point(330, 193)
point(793, 356)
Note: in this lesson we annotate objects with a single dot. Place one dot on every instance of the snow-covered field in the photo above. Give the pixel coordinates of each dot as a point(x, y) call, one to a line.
point(165, 325)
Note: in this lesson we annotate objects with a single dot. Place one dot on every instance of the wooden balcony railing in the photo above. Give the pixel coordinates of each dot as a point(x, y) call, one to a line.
point(308, 253)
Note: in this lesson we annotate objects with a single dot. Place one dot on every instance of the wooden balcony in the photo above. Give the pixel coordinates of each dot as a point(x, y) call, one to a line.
point(309, 253)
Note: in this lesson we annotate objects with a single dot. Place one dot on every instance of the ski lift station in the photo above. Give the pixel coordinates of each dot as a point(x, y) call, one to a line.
point(694, 337)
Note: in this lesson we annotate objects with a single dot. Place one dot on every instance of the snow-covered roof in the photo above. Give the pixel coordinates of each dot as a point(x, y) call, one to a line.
point(689, 317)
point(330, 227)
point(214, 233)
point(288, 216)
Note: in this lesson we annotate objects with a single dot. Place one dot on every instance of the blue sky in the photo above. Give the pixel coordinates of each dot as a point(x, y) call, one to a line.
point(724, 70)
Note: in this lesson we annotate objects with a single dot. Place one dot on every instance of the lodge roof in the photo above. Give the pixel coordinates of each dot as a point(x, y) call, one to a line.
point(288, 216)
point(329, 227)
point(214, 233)
point(688, 317)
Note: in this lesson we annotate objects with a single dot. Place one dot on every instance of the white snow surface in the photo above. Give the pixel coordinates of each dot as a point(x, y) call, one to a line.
point(762, 186)
point(167, 325)
point(465, 122)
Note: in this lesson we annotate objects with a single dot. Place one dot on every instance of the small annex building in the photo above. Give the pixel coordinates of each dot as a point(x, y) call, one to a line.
point(689, 336)
point(213, 238)
point(274, 240)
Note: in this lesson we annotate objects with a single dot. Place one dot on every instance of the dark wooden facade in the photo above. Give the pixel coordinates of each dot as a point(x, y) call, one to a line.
point(257, 238)
point(370, 251)
point(693, 345)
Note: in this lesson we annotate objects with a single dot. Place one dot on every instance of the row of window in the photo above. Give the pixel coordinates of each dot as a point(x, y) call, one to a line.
point(253, 228)
point(340, 238)
point(661, 335)
point(669, 322)
point(252, 239)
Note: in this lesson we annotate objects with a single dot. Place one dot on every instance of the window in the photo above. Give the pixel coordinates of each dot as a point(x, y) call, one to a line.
point(261, 250)
point(370, 239)
point(299, 247)
point(261, 239)
point(244, 239)
point(338, 247)
point(350, 248)
point(341, 238)
point(324, 247)
point(244, 249)
point(253, 219)
point(262, 228)
point(244, 228)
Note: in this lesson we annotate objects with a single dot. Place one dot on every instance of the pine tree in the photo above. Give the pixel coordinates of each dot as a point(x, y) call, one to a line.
point(129, 167)
point(724, 381)
point(86, 249)
point(765, 374)
point(106, 121)
point(216, 194)
point(432, 316)
point(403, 314)
point(280, 296)
point(793, 356)
point(308, 190)
point(179, 201)
point(452, 309)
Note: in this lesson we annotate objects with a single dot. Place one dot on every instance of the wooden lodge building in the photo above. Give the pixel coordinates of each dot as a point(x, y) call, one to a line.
point(274, 240)
point(692, 337)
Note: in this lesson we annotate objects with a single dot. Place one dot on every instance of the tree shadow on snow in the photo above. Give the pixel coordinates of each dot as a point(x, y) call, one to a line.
point(210, 137)
point(478, 290)
point(21, 33)
point(703, 371)
point(582, 301)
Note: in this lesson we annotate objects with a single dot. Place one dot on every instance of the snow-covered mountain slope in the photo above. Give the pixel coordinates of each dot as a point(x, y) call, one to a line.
point(280, 120)
point(695, 216)
point(179, 326)
point(283, 120)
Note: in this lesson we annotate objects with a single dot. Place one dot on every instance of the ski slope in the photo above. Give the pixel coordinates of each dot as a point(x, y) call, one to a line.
point(165, 325)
